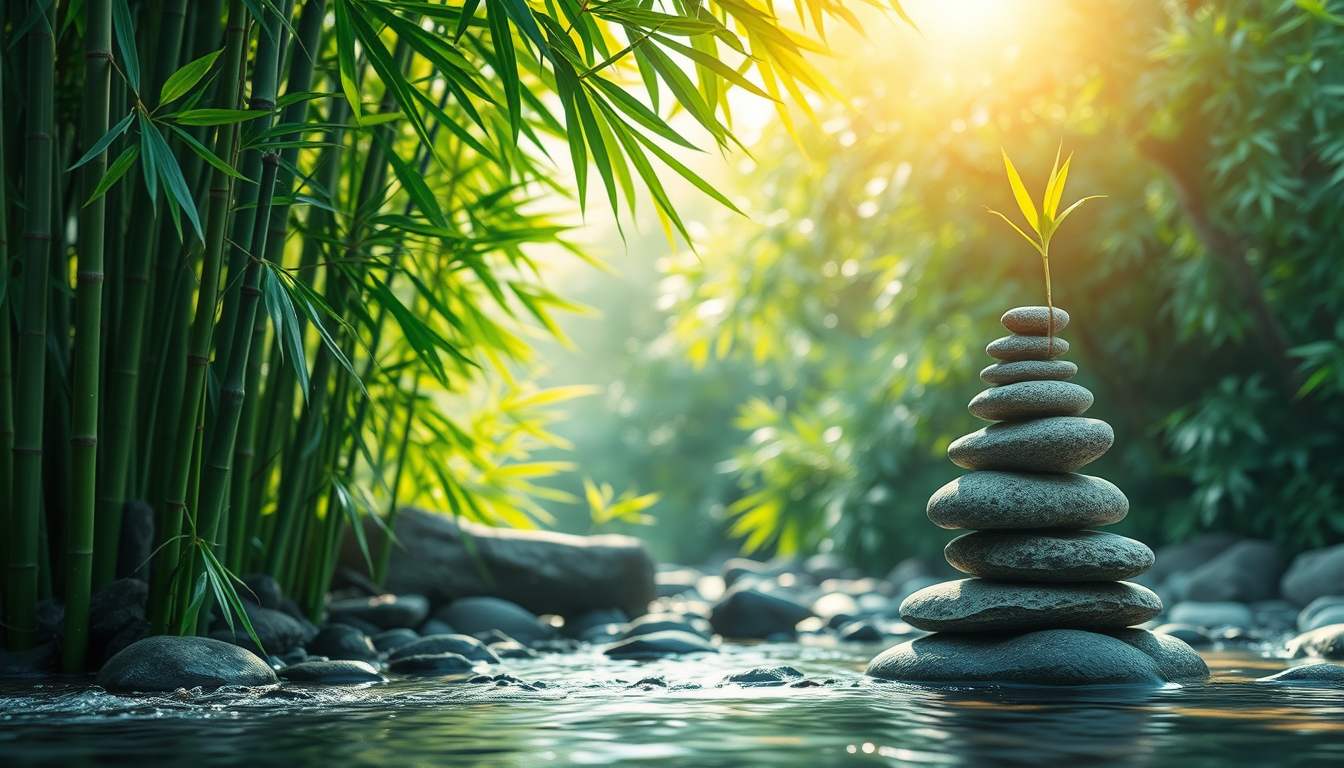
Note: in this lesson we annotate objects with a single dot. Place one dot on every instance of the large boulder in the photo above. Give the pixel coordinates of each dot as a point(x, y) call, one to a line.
point(545, 572)
point(167, 663)
point(115, 609)
point(748, 613)
point(477, 615)
point(382, 611)
point(1245, 572)
point(1313, 574)
point(1187, 556)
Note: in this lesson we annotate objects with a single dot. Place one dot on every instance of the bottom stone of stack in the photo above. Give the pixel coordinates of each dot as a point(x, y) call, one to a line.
point(1051, 657)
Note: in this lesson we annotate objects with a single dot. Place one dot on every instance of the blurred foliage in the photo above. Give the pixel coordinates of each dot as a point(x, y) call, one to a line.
point(1205, 294)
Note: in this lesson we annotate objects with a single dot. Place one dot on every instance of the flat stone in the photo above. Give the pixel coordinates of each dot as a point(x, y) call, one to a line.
point(1319, 672)
point(1012, 349)
point(1325, 642)
point(1034, 321)
point(748, 613)
point(1056, 556)
point(979, 605)
point(765, 676)
point(1028, 370)
point(432, 664)
point(1052, 657)
point(332, 673)
point(1207, 615)
point(1177, 660)
point(384, 611)
point(471, 615)
point(468, 647)
point(1006, 500)
point(344, 643)
point(1054, 444)
point(393, 639)
point(669, 642)
point(1031, 400)
point(166, 663)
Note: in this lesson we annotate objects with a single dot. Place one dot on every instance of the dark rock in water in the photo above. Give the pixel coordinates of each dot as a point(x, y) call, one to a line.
point(542, 571)
point(1245, 572)
point(383, 611)
point(343, 643)
point(603, 633)
point(432, 626)
point(1028, 370)
point(1049, 556)
point(860, 632)
point(137, 540)
point(432, 664)
point(1053, 444)
point(1208, 615)
point(467, 647)
point(979, 605)
point(1012, 349)
point(1321, 611)
point(1323, 642)
point(134, 632)
point(393, 639)
point(38, 660)
point(1053, 657)
point(736, 568)
point(1188, 555)
point(765, 676)
point(1313, 574)
point(1189, 634)
point(747, 613)
point(658, 622)
point(1034, 321)
point(1014, 500)
point(165, 663)
point(1177, 660)
point(575, 626)
point(277, 630)
point(112, 609)
point(263, 590)
point(482, 614)
point(512, 649)
point(332, 673)
point(1320, 672)
point(1031, 400)
point(354, 622)
point(665, 643)
point(50, 620)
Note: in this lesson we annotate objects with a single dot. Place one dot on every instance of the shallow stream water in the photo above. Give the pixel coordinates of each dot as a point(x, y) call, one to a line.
point(590, 710)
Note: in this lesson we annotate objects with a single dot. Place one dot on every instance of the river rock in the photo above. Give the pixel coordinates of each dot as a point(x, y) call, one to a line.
point(432, 664)
point(1028, 370)
point(392, 639)
point(1054, 556)
point(1030, 400)
point(1319, 672)
point(1188, 555)
point(473, 615)
point(467, 647)
point(657, 644)
point(137, 541)
point(1247, 571)
point(545, 572)
point(277, 630)
point(263, 589)
point(332, 673)
point(765, 677)
point(1053, 657)
point(1323, 642)
point(1054, 444)
point(1191, 635)
point(384, 611)
point(1012, 500)
point(836, 605)
point(979, 605)
point(342, 643)
point(166, 663)
point(1315, 573)
point(34, 662)
point(112, 609)
point(1177, 660)
point(657, 622)
point(1034, 321)
point(1321, 611)
point(1012, 349)
point(1209, 615)
point(575, 626)
point(747, 613)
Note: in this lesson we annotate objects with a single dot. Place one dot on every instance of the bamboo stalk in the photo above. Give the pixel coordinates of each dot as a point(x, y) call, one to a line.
point(89, 297)
point(6, 363)
point(38, 172)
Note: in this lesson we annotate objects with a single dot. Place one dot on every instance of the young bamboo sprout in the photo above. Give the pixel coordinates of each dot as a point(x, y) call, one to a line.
point(1046, 223)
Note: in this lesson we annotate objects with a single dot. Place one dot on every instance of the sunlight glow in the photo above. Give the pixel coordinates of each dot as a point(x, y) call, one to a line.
point(963, 21)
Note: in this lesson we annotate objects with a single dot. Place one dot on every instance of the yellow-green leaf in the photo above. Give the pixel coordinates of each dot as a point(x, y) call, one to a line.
point(1020, 192)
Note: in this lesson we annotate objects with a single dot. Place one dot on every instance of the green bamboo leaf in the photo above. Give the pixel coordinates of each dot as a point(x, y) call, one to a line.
point(197, 600)
point(315, 308)
point(351, 510)
point(1071, 208)
point(1024, 235)
point(295, 98)
point(186, 78)
point(215, 116)
point(124, 28)
point(638, 112)
point(414, 185)
point(286, 324)
point(149, 161)
point(345, 57)
point(208, 156)
point(468, 13)
point(226, 595)
point(506, 66)
point(115, 171)
point(107, 139)
point(173, 182)
point(522, 17)
point(715, 65)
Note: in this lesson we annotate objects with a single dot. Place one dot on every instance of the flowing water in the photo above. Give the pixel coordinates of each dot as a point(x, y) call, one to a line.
point(583, 709)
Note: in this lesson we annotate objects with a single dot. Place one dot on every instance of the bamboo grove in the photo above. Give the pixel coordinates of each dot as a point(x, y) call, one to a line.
point(276, 267)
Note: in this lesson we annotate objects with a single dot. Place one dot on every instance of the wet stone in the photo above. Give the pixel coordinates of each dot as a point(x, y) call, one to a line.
point(462, 645)
point(658, 644)
point(1054, 556)
point(1177, 660)
point(1031, 400)
point(980, 605)
point(1009, 500)
point(1323, 643)
point(393, 639)
point(765, 676)
point(1011, 349)
point(166, 663)
point(332, 673)
point(338, 641)
point(1028, 370)
point(432, 664)
point(1054, 444)
point(1320, 672)
point(1034, 321)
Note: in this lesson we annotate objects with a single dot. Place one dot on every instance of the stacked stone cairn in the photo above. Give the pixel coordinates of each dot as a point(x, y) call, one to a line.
point(1046, 603)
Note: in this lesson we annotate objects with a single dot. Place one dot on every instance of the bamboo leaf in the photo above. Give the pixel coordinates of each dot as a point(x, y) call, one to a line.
point(107, 139)
point(286, 324)
point(1053, 195)
point(226, 595)
point(351, 510)
point(345, 57)
point(174, 183)
point(468, 13)
point(207, 155)
point(506, 66)
point(124, 29)
point(1024, 235)
point(1020, 194)
point(115, 171)
point(1071, 208)
point(215, 116)
point(187, 77)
